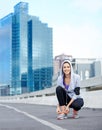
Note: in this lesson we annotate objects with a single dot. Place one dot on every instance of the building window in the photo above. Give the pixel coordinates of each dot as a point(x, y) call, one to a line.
point(86, 74)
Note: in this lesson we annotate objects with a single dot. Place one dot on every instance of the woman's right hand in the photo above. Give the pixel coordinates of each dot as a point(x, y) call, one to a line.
point(58, 110)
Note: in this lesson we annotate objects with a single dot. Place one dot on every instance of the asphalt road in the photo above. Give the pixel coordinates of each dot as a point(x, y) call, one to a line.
point(43, 117)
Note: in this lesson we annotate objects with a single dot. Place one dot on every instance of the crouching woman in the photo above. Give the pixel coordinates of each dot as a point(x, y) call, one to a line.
point(68, 92)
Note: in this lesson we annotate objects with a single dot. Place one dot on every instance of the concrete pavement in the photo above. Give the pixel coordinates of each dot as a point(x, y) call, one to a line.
point(35, 117)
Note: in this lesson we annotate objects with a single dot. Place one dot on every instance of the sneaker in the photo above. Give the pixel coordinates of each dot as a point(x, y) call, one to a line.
point(75, 114)
point(60, 116)
point(65, 116)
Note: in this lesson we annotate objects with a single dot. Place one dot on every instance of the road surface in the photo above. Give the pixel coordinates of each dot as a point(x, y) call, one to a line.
point(43, 117)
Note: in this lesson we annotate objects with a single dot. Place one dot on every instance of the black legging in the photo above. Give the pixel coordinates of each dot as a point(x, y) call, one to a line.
point(64, 99)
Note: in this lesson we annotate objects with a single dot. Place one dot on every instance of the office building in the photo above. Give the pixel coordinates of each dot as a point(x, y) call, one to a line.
point(26, 51)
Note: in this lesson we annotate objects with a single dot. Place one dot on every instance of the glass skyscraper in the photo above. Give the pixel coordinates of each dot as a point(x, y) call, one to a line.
point(26, 51)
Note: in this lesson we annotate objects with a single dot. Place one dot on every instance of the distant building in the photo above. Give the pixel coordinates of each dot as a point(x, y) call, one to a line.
point(85, 67)
point(26, 51)
point(4, 90)
point(88, 68)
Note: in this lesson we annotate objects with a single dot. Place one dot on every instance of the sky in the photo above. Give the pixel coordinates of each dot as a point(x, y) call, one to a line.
point(77, 24)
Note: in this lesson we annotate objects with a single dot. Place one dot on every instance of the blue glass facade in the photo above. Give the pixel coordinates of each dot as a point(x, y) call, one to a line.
point(5, 49)
point(19, 49)
point(40, 55)
point(29, 50)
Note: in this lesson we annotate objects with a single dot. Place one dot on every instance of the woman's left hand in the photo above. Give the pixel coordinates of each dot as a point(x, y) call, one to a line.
point(67, 110)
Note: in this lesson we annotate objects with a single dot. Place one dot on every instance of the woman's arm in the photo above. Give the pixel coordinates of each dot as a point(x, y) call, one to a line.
point(58, 109)
point(68, 105)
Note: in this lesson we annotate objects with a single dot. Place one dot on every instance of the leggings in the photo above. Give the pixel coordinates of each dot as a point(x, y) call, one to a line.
point(64, 99)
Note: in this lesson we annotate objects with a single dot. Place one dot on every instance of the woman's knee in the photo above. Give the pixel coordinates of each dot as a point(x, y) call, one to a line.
point(58, 89)
point(78, 104)
point(77, 108)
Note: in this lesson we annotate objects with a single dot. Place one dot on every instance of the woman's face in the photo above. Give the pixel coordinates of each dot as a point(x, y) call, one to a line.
point(66, 68)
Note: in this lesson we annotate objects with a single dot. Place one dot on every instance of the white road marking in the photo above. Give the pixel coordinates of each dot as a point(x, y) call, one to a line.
point(44, 122)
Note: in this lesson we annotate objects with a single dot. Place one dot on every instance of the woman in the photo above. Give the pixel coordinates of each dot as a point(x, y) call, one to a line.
point(68, 91)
